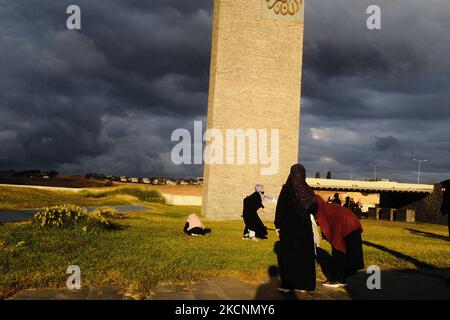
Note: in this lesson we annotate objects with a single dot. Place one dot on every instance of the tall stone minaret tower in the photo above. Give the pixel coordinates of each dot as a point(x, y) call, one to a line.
point(255, 83)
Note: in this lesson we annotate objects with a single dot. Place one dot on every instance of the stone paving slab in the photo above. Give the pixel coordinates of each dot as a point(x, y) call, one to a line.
point(403, 286)
point(215, 289)
point(66, 294)
point(234, 289)
point(395, 285)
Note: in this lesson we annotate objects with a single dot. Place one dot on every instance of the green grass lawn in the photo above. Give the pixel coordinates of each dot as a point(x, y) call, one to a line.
point(26, 198)
point(16, 198)
point(149, 247)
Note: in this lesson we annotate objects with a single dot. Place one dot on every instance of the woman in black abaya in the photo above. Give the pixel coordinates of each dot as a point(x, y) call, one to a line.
point(254, 227)
point(296, 256)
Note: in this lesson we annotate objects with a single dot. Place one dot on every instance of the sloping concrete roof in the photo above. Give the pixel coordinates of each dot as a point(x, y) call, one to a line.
point(369, 186)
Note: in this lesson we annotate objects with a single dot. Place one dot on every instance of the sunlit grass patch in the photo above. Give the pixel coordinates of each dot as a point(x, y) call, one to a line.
point(15, 198)
point(150, 248)
point(141, 194)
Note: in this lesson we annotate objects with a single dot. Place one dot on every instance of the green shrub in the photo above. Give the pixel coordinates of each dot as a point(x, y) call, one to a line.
point(68, 216)
point(105, 212)
point(141, 194)
point(109, 183)
point(97, 195)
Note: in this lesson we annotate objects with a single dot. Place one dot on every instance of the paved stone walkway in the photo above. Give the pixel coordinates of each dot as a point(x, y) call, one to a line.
point(395, 285)
point(234, 289)
point(216, 289)
point(66, 294)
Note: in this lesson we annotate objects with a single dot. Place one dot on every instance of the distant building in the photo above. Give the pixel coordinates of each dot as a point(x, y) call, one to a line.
point(370, 194)
point(6, 174)
point(123, 179)
point(171, 183)
point(146, 181)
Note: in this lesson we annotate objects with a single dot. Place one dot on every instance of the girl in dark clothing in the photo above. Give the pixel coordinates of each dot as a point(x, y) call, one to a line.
point(254, 227)
point(295, 251)
point(342, 229)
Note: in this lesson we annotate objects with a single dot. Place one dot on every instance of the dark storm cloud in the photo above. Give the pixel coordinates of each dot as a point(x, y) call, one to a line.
point(388, 88)
point(108, 97)
point(132, 60)
point(386, 143)
point(390, 73)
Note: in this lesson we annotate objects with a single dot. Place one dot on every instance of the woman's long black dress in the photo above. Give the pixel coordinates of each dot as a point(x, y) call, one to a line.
point(296, 256)
point(252, 221)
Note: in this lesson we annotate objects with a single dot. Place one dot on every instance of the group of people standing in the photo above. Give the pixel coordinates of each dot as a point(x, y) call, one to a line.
point(350, 203)
point(298, 213)
point(298, 208)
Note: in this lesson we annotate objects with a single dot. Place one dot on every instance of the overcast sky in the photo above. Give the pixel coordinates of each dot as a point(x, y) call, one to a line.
point(107, 99)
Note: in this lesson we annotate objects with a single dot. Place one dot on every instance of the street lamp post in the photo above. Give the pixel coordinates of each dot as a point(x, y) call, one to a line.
point(419, 162)
point(375, 166)
point(351, 173)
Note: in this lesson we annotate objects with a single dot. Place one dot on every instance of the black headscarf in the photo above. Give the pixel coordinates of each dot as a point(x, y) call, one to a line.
point(304, 195)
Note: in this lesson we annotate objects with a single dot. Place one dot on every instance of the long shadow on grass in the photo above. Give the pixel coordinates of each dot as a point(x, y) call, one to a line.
point(411, 284)
point(325, 261)
point(399, 285)
point(269, 290)
point(427, 234)
point(419, 264)
point(117, 227)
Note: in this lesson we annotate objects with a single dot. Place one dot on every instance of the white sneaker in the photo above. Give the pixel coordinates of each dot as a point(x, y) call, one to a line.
point(330, 284)
point(301, 291)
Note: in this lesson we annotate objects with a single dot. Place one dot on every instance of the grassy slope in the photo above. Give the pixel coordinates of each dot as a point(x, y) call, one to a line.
point(16, 198)
point(151, 248)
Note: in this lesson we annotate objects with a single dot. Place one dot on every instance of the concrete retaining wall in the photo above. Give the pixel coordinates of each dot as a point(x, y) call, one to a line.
point(177, 200)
